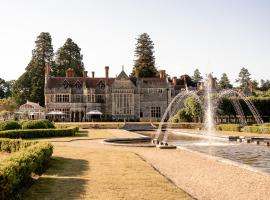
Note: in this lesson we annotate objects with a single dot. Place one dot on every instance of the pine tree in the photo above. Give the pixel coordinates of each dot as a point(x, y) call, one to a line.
point(243, 77)
point(224, 82)
point(197, 76)
point(30, 85)
point(144, 63)
point(68, 56)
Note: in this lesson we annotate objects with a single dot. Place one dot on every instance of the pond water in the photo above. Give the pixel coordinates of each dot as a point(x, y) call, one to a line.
point(257, 156)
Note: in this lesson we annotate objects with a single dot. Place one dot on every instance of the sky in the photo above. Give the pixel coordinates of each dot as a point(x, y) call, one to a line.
point(212, 35)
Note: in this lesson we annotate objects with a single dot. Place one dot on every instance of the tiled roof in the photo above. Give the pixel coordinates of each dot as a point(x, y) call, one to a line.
point(57, 82)
point(152, 82)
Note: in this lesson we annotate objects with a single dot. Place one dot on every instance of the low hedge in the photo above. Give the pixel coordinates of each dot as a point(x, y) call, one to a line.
point(257, 129)
point(11, 145)
point(37, 124)
point(19, 167)
point(38, 133)
point(228, 127)
point(9, 125)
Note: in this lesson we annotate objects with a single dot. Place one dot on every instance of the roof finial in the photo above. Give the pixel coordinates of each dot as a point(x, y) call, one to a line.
point(122, 67)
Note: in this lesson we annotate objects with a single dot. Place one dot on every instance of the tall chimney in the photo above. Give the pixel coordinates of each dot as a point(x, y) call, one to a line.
point(85, 74)
point(70, 72)
point(174, 80)
point(107, 71)
point(93, 74)
point(162, 74)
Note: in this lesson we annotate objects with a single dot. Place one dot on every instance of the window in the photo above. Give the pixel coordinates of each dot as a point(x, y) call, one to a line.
point(78, 85)
point(62, 98)
point(101, 85)
point(65, 84)
point(58, 98)
point(155, 112)
point(78, 98)
point(122, 104)
point(100, 99)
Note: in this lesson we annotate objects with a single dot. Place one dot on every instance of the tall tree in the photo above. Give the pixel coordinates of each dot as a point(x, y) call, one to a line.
point(30, 85)
point(144, 63)
point(5, 88)
point(243, 77)
point(2, 88)
point(265, 85)
point(197, 76)
point(224, 82)
point(68, 56)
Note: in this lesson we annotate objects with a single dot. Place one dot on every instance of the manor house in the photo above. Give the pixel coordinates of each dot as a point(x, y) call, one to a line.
point(119, 98)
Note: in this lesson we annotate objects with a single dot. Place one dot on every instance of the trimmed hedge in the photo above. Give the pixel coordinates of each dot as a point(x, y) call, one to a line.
point(19, 167)
point(11, 145)
point(9, 125)
point(228, 127)
point(38, 133)
point(37, 124)
point(257, 129)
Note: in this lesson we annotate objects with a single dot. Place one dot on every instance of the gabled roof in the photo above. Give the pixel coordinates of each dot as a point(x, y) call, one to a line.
point(122, 75)
point(57, 82)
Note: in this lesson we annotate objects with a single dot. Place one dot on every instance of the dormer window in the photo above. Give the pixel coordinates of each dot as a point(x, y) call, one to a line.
point(65, 84)
point(78, 85)
point(101, 85)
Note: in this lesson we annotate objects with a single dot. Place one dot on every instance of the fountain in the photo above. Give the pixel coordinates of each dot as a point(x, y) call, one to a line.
point(209, 100)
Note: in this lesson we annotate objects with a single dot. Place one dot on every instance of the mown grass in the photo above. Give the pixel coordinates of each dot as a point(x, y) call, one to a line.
point(4, 155)
point(80, 173)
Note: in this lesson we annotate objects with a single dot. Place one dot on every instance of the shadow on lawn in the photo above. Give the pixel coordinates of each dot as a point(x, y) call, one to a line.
point(61, 181)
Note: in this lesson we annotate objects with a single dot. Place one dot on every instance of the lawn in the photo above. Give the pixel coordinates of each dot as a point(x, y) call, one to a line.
point(101, 173)
point(4, 155)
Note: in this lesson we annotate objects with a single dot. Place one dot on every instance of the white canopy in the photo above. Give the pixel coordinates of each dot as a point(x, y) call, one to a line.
point(55, 113)
point(94, 112)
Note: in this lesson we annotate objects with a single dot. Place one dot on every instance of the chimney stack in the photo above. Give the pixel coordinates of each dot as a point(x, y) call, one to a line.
point(174, 80)
point(106, 71)
point(85, 74)
point(70, 72)
point(162, 74)
point(93, 74)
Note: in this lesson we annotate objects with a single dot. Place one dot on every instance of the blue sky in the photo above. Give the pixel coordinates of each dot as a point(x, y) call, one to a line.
point(212, 35)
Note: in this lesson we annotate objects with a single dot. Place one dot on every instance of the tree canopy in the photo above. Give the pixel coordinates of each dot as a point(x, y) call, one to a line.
point(68, 56)
point(224, 82)
point(144, 63)
point(197, 76)
point(243, 77)
point(30, 85)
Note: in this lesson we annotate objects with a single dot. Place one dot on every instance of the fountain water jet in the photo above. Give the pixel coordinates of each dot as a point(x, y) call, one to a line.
point(211, 98)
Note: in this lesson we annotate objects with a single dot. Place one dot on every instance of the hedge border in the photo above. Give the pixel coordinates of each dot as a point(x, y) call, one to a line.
point(38, 133)
point(29, 157)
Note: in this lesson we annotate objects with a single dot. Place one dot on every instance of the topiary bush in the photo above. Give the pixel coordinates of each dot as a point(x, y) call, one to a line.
point(228, 127)
point(37, 124)
point(9, 125)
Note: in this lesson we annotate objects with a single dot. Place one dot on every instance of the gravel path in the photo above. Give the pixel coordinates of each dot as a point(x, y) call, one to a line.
point(200, 176)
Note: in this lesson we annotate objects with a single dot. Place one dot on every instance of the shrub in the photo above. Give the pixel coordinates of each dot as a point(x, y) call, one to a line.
point(38, 133)
point(19, 167)
point(257, 129)
point(228, 127)
point(37, 124)
point(9, 125)
point(11, 145)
